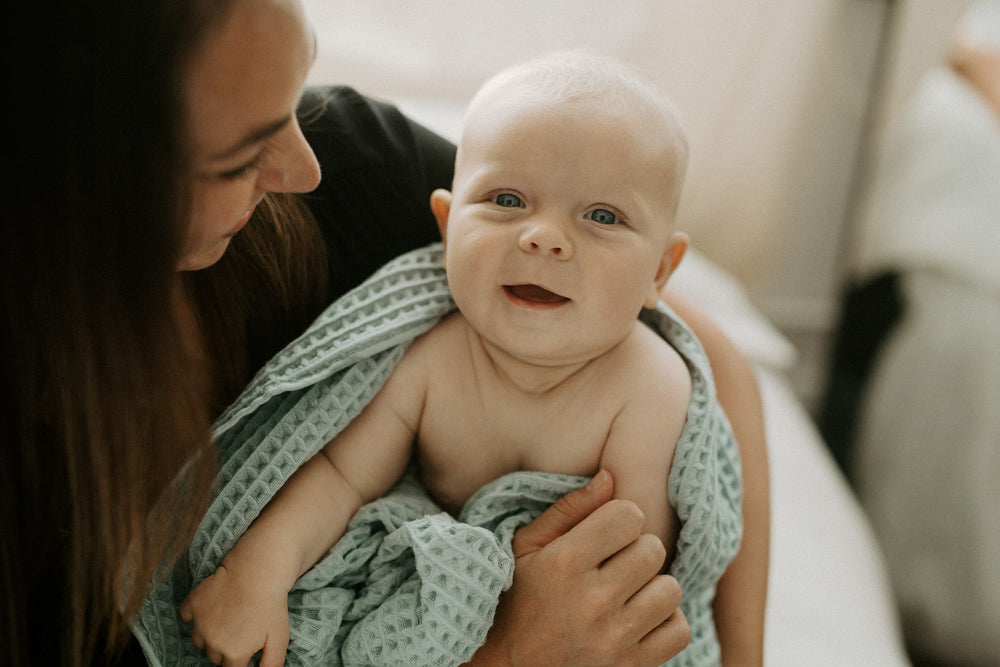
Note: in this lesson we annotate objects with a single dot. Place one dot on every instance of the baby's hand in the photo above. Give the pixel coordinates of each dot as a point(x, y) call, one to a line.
point(233, 619)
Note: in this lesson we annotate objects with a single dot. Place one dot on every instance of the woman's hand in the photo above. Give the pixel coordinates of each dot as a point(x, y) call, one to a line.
point(587, 589)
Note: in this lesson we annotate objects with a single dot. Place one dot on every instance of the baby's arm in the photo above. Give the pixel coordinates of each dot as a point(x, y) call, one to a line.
point(243, 607)
point(642, 440)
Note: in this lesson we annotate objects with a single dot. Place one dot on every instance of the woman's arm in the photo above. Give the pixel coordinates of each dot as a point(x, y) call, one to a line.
point(742, 592)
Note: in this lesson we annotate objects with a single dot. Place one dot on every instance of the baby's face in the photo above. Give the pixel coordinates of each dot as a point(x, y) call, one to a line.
point(560, 226)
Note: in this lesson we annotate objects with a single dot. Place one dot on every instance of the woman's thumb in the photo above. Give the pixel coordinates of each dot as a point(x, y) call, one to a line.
point(564, 514)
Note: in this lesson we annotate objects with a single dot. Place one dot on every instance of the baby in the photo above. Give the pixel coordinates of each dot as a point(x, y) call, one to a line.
point(557, 232)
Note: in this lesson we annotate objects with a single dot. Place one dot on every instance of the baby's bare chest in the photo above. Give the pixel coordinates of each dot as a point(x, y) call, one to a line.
point(466, 440)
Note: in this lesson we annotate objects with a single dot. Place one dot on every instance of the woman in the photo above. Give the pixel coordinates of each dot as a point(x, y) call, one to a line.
point(141, 138)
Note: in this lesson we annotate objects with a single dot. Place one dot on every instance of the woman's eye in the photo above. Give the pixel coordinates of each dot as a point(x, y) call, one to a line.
point(507, 200)
point(247, 169)
point(242, 172)
point(603, 216)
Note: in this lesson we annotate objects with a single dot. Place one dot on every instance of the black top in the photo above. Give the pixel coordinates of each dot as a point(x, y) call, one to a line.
point(379, 169)
point(373, 202)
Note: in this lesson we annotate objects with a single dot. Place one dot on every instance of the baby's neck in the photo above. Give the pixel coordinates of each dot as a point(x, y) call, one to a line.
point(524, 376)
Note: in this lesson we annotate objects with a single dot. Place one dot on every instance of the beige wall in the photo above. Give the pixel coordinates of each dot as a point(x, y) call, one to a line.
point(776, 94)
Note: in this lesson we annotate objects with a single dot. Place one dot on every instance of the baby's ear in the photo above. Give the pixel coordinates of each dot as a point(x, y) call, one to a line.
point(672, 257)
point(441, 207)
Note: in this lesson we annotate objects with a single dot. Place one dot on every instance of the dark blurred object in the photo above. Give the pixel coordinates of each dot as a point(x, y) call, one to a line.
point(870, 311)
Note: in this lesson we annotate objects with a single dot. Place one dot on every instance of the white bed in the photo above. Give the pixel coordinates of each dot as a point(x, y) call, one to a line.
point(829, 601)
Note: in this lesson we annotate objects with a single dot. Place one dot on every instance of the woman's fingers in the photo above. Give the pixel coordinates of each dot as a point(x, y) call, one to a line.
point(610, 528)
point(563, 515)
point(653, 605)
point(668, 639)
point(634, 566)
point(587, 590)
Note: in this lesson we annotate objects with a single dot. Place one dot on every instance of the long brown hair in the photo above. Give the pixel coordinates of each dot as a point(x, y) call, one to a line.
point(106, 459)
point(269, 285)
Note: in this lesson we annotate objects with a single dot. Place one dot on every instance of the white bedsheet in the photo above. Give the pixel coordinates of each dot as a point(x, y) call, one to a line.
point(829, 599)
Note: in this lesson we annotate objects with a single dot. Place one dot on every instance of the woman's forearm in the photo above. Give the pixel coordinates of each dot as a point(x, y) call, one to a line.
point(742, 591)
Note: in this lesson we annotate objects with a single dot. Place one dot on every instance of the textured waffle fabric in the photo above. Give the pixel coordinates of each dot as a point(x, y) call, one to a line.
point(409, 584)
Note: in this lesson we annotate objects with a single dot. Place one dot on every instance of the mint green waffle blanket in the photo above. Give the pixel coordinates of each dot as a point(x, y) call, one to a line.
point(408, 584)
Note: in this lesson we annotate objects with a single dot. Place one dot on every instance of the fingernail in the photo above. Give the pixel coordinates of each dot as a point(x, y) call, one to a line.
point(598, 481)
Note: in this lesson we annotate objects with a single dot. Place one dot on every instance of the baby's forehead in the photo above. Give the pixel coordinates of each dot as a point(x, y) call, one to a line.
point(511, 116)
point(610, 93)
point(515, 141)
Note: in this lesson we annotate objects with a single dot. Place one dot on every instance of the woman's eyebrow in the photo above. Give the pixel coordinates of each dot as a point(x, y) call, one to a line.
point(253, 137)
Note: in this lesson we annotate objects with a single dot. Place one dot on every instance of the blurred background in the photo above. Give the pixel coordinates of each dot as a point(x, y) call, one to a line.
point(846, 174)
point(785, 102)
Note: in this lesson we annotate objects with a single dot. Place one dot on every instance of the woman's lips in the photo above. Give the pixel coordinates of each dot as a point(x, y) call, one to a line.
point(242, 222)
point(535, 295)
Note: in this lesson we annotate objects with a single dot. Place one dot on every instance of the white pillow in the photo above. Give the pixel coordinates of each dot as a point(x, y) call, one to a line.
point(723, 298)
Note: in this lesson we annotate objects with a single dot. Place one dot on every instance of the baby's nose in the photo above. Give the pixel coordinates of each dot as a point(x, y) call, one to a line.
point(548, 238)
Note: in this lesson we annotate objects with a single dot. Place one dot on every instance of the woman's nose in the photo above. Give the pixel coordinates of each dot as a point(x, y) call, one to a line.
point(292, 167)
point(546, 237)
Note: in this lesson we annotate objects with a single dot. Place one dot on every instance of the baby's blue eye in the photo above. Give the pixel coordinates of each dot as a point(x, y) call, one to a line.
point(507, 200)
point(603, 216)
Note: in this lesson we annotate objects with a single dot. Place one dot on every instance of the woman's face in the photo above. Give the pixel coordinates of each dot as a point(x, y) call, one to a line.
point(242, 89)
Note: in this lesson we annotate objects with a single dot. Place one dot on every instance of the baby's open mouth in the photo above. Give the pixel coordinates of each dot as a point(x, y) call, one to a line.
point(534, 294)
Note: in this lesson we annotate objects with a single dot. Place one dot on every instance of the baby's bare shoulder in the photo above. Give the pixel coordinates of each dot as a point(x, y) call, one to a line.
point(438, 341)
point(654, 366)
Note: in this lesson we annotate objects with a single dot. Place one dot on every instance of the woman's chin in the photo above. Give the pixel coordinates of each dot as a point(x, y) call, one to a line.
point(203, 258)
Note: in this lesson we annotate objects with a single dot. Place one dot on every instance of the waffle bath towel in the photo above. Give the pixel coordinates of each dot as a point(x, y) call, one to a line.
point(409, 584)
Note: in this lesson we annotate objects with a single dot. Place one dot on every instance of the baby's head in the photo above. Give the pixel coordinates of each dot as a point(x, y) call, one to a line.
point(602, 90)
point(567, 181)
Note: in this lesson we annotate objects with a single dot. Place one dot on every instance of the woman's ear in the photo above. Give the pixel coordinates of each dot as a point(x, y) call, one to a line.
point(672, 256)
point(441, 207)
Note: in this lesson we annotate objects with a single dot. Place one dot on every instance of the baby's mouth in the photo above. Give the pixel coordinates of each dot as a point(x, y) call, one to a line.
point(534, 294)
